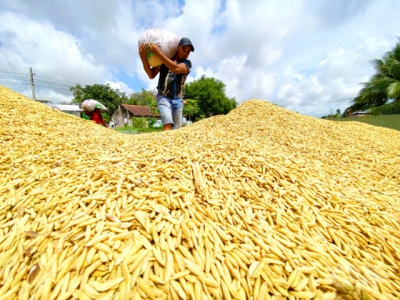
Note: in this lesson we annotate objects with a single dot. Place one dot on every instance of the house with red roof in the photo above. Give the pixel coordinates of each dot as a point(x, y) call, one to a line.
point(125, 112)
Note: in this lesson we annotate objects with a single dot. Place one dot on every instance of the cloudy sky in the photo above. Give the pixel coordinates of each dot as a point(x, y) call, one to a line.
point(308, 56)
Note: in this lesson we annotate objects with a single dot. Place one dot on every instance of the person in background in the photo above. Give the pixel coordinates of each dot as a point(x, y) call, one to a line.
point(85, 116)
point(111, 124)
point(171, 81)
point(95, 116)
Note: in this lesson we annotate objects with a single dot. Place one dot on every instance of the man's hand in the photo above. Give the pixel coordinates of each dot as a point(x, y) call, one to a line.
point(150, 71)
point(143, 51)
point(154, 48)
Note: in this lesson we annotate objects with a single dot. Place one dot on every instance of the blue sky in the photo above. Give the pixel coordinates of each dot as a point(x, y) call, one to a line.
point(308, 56)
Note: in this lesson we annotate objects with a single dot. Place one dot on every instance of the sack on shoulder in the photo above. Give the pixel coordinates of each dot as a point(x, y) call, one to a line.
point(166, 40)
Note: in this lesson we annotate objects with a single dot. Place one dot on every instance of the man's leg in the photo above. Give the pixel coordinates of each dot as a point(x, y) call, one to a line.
point(164, 106)
point(177, 109)
point(167, 127)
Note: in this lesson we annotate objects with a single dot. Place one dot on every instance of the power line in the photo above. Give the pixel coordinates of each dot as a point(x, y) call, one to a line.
point(20, 68)
point(53, 83)
point(38, 77)
point(53, 79)
point(1, 71)
point(38, 83)
point(7, 76)
point(14, 78)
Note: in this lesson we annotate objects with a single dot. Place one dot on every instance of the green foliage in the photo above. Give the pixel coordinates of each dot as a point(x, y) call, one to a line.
point(107, 96)
point(383, 85)
point(387, 109)
point(210, 96)
point(77, 92)
point(144, 98)
point(151, 121)
point(139, 122)
point(139, 129)
point(387, 121)
point(394, 90)
point(191, 108)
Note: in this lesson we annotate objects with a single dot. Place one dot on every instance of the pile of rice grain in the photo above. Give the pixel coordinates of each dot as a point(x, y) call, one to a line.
point(262, 203)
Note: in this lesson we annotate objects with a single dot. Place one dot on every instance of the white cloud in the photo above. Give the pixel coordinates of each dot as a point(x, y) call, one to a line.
point(55, 57)
point(121, 86)
point(308, 55)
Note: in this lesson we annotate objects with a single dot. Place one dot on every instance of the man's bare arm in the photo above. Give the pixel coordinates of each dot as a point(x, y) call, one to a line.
point(150, 71)
point(170, 64)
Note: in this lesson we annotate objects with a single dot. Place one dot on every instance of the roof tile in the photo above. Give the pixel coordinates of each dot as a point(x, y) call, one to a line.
point(139, 111)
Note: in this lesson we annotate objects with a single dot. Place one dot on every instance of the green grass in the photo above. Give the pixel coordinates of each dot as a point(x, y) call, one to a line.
point(387, 121)
point(140, 130)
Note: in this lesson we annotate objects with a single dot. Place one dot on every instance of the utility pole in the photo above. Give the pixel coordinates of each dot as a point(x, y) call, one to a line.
point(32, 83)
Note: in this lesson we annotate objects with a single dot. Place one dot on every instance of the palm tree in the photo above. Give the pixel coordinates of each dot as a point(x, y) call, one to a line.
point(384, 85)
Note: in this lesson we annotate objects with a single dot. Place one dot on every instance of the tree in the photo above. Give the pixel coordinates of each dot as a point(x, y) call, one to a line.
point(77, 92)
point(384, 84)
point(210, 96)
point(191, 108)
point(144, 98)
point(109, 97)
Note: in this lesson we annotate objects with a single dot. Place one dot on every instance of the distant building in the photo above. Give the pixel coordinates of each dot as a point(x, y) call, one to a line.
point(69, 109)
point(359, 113)
point(131, 111)
point(46, 102)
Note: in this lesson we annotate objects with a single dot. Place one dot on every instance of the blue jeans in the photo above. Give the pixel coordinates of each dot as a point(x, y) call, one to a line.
point(170, 110)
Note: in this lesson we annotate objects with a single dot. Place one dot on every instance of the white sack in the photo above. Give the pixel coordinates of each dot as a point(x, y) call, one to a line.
point(91, 104)
point(166, 40)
